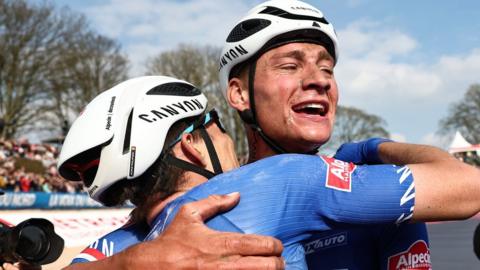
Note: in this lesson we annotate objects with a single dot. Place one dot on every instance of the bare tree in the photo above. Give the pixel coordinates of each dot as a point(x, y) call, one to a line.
point(27, 36)
point(89, 65)
point(464, 116)
point(353, 124)
point(50, 64)
point(199, 66)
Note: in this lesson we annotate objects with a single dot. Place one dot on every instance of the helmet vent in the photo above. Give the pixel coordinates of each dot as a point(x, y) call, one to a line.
point(246, 29)
point(284, 14)
point(175, 89)
point(128, 132)
point(82, 167)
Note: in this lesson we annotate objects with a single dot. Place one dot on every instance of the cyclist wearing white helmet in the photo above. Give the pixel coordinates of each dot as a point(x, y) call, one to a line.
point(280, 194)
point(128, 127)
point(277, 71)
point(124, 141)
point(277, 47)
point(321, 111)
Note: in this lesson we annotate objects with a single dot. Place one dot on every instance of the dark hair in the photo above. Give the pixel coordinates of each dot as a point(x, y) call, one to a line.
point(240, 70)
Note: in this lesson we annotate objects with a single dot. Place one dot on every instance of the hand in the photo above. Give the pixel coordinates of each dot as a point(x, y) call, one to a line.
point(189, 244)
point(363, 152)
point(19, 266)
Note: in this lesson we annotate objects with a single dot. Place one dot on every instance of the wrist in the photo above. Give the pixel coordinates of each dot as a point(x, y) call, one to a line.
point(372, 151)
point(124, 260)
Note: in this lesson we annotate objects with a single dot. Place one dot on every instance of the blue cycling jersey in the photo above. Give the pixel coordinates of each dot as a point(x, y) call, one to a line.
point(113, 242)
point(385, 247)
point(292, 197)
point(295, 198)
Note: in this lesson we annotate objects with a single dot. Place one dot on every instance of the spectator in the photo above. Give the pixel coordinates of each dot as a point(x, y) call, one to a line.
point(16, 179)
point(25, 183)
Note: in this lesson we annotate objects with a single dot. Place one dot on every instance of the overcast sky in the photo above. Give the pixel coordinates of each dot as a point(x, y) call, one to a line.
point(406, 61)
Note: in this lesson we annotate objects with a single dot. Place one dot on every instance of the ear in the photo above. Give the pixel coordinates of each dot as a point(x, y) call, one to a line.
point(237, 94)
point(190, 150)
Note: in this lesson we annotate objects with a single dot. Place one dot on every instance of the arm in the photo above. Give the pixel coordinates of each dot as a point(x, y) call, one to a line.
point(445, 187)
point(188, 243)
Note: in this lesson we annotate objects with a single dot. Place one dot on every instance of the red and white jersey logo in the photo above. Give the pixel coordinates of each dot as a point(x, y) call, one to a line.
point(91, 255)
point(416, 257)
point(339, 174)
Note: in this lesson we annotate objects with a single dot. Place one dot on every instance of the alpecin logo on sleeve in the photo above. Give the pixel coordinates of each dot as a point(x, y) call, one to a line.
point(339, 174)
point(416, 257)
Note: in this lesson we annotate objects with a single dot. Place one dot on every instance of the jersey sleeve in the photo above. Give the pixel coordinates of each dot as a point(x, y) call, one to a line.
point(365, 194)
point(113, 242)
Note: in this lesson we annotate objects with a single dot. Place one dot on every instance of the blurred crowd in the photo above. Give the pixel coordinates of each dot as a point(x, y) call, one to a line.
point(26, 167)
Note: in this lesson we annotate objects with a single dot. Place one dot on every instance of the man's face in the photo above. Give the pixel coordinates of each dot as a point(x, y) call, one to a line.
point(296, 95)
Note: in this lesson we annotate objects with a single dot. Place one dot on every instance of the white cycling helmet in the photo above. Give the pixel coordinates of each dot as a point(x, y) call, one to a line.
point(271, 24)
point(121, 133)
point(266, 26)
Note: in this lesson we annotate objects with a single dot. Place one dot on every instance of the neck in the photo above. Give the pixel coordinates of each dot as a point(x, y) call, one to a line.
point(257, 147)
point(189, 181)
point(158, 207)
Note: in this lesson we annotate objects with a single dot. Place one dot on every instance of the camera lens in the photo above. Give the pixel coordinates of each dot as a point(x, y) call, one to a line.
point(33, 244)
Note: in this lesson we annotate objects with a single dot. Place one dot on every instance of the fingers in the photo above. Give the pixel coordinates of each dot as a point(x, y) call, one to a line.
point(249, 244)
point(8, 266)
point(252, 263)
point(210, 249)
point(210, 206)
point(19, 266)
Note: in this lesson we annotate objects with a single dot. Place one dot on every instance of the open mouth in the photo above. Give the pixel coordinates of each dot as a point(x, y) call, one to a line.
point(312, 108)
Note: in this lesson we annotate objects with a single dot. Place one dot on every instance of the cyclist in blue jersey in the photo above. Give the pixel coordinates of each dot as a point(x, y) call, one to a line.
point(157, 127)
point(111, 147)
point(277, 71)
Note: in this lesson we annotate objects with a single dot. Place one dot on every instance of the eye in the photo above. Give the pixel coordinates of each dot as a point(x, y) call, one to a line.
point(327, 70)
point(289, 66)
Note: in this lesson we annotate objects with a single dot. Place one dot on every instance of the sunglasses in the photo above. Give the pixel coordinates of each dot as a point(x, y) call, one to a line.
point(211, 116)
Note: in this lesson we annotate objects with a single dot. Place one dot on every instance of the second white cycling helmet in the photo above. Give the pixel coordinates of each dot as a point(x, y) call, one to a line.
point(121, 133)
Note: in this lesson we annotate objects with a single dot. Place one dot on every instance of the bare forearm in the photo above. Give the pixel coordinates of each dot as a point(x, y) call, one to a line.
point(109, 263)
point(446, 188)
point(404, 153)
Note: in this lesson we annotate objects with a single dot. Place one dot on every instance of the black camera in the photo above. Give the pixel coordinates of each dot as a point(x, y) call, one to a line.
point(33, 241)
point(476, 241)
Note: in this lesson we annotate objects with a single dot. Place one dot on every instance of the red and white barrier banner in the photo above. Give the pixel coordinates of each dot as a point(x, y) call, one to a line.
point(76, 227)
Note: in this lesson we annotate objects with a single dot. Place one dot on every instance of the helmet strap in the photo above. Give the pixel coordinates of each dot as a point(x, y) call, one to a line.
point(182, 164)
point(249, 115)
point(217, 167)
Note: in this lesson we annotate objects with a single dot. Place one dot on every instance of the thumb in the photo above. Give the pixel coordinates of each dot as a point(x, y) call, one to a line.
point(213, 204)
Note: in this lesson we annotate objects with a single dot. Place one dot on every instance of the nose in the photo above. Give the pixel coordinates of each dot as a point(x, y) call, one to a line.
point(317, 79)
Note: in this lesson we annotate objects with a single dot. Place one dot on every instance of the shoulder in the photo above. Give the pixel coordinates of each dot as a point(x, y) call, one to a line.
point(113, 242)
